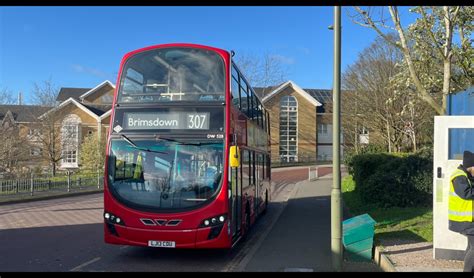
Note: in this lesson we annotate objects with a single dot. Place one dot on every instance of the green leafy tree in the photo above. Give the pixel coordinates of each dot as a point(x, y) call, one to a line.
point(92, 152)
point(437, 48)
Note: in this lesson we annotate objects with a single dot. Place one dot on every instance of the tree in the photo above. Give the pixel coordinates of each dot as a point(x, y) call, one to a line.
point(395, 117)
point(56, 137)
point(45, 93)
point(6, 96)
point(12, 148)
point(51, 140)
point(430, 54)
point(93, 152)
point(262, 71)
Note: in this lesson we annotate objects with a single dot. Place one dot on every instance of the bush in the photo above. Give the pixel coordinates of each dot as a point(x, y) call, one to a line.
point(349, 154)
point(394, 180)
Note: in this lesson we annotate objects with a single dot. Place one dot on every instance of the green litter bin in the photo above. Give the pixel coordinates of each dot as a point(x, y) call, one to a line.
point(357, 237)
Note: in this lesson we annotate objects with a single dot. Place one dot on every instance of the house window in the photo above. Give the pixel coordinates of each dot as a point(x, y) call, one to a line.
point(288, 129)
point(70, 157)
point(34, 132)
point(70, 137)
point(322, 129)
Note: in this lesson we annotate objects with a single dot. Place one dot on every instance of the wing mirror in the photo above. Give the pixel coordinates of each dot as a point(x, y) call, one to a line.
point(234, 157)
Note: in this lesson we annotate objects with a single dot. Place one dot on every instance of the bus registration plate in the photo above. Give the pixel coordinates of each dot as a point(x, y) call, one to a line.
point(165, 244)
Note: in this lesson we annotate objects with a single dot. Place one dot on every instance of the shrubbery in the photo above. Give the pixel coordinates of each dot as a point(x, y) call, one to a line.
point(393, 180)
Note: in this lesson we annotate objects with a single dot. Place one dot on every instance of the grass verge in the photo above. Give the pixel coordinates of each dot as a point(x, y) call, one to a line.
point(411, 223)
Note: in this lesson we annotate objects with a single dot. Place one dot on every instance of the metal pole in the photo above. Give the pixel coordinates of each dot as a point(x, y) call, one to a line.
point(68, 181)
point(336, 205)
point(98, 178)
point(31, 184)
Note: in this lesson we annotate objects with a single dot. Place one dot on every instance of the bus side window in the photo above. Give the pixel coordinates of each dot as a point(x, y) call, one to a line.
point(244, 96)
point(255, 108)
point(250, 104)
point(245, 169)
point(235, 88)
point(235, 93)
point(252, 167)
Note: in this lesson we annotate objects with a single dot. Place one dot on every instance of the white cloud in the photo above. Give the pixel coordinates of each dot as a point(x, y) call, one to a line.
point(87, 70)
point(283, 59)
point(304, 50)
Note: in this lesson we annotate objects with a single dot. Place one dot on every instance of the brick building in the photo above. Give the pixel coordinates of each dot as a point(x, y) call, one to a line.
point(300, 122)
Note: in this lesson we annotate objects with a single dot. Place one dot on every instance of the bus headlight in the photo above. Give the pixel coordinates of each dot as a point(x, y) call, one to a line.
point(112, 219)
point(213, 221)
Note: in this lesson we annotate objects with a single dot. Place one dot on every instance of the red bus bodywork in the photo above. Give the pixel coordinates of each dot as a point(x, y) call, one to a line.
point(188, 233)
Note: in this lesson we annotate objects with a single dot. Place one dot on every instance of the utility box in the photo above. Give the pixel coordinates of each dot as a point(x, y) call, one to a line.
point(358, 237)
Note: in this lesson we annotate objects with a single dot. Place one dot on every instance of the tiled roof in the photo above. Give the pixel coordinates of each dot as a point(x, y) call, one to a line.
point(66, 93)
point(23, 113)
point(97, 109)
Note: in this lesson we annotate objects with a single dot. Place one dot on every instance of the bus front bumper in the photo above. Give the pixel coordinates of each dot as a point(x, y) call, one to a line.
point(189, 238)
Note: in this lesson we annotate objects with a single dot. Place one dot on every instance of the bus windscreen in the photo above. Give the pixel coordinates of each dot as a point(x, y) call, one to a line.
point(173, 74)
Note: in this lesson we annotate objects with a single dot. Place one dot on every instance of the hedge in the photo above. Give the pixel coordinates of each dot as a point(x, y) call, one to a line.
point(393, 180)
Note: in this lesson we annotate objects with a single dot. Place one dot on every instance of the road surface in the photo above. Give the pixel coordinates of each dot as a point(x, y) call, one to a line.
point(66, 234)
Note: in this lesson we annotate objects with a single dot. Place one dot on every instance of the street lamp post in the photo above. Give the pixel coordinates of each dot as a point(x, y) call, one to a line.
point(336, 205)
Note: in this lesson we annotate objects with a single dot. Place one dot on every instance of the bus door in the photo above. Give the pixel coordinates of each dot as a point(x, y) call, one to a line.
point(236, 201)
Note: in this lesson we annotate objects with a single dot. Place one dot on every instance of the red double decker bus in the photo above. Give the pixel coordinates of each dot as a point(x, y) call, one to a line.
point(188, 155)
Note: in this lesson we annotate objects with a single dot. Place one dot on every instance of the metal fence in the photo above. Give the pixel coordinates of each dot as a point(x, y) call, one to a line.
point(67, 182)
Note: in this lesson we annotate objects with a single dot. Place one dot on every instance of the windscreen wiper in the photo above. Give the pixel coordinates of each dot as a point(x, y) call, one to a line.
point(158, 137)
point(139, 148)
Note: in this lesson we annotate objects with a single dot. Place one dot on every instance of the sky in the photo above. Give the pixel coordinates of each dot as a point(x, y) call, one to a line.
point(83, 46)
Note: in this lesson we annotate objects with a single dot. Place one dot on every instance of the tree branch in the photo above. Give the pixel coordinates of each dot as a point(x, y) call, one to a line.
point(374, 26)
point(423, 93)
point(430, 32)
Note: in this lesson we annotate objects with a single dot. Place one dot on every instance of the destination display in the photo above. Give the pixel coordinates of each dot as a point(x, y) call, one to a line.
point(168, 120)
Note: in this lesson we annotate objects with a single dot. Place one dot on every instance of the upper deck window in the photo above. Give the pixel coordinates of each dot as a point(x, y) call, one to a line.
point(173, 74)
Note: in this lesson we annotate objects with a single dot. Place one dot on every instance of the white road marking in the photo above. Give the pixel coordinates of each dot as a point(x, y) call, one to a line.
point(77, 268)
point(249, 252)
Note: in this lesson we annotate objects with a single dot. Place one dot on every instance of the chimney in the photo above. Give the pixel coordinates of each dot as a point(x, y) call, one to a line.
point(19, 98)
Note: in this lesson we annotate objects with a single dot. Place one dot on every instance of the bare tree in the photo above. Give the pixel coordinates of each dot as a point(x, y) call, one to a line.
point(56, 138)
point(12, 148)
point(51, 140)
point(430, 37)
point(6, 96)
point(371, 101)
point(45, 93)
point(264, 70)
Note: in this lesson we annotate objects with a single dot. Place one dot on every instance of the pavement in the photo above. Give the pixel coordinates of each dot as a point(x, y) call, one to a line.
point(300, 241)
